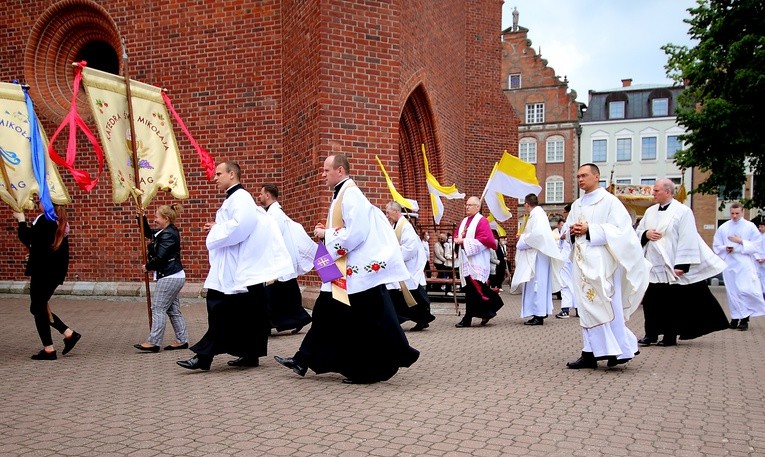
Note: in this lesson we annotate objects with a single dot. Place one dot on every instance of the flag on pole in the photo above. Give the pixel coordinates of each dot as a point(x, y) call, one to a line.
point(495, 226)
point(159, 161)
point(512, 177)
point(26, 168)
point(437, 190)
point(411, 205)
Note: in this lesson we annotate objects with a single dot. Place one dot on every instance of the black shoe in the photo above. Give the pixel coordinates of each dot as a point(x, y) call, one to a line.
point(613, 361)
point(70, 342)
point(462, 324)
point(534, 321)
point(244, 362)
point(196, 363)
point(733, 323)
point(170, 347)
point(587, 360)
point(419, 327)
point(665, 342)
point(290, 363)
point(484, 321)
point(141, 347)
point(44, 355)
point(297, 330)
point(743, 325)
point(647, 340)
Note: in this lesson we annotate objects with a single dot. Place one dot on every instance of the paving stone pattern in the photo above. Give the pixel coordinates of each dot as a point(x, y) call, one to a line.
point(500, 390)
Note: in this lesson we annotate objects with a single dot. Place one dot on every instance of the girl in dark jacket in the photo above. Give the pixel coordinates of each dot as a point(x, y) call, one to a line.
point(48, 244)
point(164, 259)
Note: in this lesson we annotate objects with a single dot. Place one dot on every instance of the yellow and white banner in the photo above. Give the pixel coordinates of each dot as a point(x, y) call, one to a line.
point(512, 177)
point(16, 151)
point(159, 162)
point(437, 191)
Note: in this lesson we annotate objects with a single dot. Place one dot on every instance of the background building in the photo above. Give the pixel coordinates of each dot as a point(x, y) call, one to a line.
point(276, 85)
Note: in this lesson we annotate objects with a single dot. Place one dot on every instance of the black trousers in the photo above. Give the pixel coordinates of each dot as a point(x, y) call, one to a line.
point(40, 291)
point(237, 324)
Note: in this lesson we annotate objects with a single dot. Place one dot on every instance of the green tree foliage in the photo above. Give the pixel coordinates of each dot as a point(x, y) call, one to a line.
point(723, 104)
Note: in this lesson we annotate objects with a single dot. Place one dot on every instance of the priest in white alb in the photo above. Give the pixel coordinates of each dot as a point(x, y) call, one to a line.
point(285, 302)
point(538, 262)
point(737, 242)
point(610, 274)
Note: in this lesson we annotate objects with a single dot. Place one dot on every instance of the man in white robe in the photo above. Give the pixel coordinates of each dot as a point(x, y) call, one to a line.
point(567, 302)
point(760, 256)
point(610, 274)
point(475, 236)
point(285, 302)
point(678, 301)
point(246, 251)
point(537, 264)
point(736, 242)
point(413, 304)
point(355, 330)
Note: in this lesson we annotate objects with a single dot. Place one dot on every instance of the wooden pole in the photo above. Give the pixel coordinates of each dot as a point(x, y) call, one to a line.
point(137, 178)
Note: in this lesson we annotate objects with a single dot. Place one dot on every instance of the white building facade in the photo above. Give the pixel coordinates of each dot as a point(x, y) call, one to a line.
point(632, 135)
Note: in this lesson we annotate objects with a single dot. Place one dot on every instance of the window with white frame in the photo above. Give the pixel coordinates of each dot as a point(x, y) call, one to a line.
point(647, 181)
point(673, 145)
point(535, 113)
point(527, 150)
point(623, 180)
point(599, 150)
point(554, 189)
point(555, 149)
point(602, 183)
point(616, 109)
point(514, 81)
point(623, 149)
point(648, 148)
point(660, 107)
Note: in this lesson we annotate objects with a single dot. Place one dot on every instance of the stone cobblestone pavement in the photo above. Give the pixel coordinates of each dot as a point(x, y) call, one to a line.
point(483, 391)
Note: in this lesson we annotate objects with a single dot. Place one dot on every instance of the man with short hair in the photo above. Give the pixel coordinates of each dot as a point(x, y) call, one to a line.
point(678, 302)
point(476, 239)
point(285, 302)
point(409, 297)
point(246, 251)
point(537, 264)
point(355, 330)
point(609, 270)
point(736, 242)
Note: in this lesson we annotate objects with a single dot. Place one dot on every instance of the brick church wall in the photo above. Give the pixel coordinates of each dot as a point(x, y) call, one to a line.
point(278, 85)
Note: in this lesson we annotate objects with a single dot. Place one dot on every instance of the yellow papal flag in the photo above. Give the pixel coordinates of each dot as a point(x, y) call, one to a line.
point(159, 162)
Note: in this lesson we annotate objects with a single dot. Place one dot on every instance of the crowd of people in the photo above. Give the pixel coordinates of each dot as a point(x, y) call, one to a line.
point(601, 266)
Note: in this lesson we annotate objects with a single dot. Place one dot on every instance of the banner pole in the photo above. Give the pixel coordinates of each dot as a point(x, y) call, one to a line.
point(134, 150)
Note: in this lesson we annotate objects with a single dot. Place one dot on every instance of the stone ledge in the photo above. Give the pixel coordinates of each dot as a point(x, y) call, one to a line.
point(190, 290)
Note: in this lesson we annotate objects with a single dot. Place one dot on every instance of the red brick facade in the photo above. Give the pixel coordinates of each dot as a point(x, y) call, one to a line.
point(276, 85)
point(538, 84)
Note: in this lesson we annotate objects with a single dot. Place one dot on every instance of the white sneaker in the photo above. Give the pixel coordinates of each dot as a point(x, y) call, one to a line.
point(450, 294)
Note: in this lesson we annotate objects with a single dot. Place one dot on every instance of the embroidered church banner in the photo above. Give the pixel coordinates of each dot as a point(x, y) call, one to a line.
point(159, 162)
point(16, 151)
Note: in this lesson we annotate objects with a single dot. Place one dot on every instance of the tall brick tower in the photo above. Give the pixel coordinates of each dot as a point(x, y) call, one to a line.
point(276, 85)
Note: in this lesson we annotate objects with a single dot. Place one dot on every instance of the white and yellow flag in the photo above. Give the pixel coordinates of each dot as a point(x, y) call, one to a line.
point(407, 203)
point(437, 191)
point(512, 177)
point(159, 162)
point(18, 183)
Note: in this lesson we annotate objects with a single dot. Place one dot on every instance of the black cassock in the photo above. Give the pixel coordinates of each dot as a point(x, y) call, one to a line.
point(285, 306)
point(364, 342)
